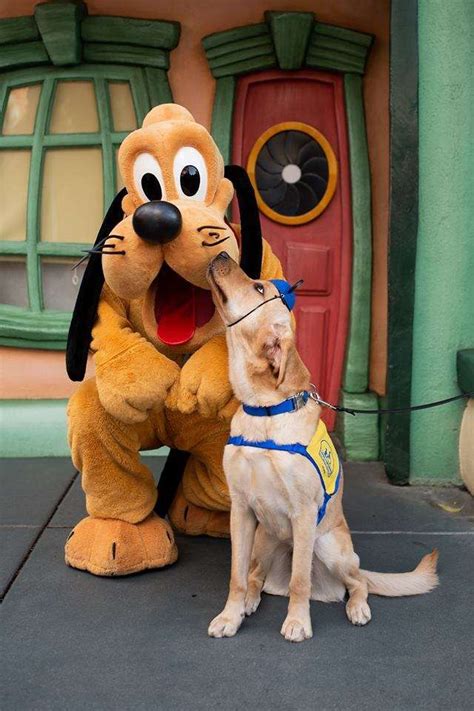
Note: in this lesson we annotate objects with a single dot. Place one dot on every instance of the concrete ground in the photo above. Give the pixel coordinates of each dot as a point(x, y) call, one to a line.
point(74, 641)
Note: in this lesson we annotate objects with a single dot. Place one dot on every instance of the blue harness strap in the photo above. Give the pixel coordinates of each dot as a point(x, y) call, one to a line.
point(295, 448)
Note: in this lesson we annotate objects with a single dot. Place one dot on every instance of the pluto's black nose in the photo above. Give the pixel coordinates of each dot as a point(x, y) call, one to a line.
point(157, 221)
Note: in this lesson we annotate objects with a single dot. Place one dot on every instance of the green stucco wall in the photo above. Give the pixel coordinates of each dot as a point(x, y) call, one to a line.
point(444, 286)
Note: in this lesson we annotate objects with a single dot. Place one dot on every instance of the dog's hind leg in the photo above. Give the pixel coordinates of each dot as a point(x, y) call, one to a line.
point(336, 551)
point(264, 548)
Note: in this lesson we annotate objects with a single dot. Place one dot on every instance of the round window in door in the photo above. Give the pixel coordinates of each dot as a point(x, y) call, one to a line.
point(294, 172)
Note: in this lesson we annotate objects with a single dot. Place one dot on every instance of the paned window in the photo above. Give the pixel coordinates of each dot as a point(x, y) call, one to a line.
point(59, 137)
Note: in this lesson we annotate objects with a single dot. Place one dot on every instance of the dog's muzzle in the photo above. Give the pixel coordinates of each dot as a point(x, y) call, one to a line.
point(157, 222)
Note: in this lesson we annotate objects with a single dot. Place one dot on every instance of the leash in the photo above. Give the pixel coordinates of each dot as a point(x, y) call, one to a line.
point(387, 411)
point(296, 402)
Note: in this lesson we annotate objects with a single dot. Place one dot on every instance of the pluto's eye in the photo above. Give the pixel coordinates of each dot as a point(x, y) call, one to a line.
point(190, 173)
point(190, 180)
point(151, 186)
point(260, 288)
point(148, 178)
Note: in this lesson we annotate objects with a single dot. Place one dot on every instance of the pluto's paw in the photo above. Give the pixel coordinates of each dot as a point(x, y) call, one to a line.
point(107, 546)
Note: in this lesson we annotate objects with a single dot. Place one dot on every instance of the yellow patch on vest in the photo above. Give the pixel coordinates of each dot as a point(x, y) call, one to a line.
point(322, 450)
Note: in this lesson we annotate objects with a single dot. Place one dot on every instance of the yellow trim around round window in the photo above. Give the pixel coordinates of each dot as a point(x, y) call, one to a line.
point(332, 168)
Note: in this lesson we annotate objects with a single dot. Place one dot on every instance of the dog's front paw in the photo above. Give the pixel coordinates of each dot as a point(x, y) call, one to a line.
point(358, 612)
point(225, 625)
point(297, 630)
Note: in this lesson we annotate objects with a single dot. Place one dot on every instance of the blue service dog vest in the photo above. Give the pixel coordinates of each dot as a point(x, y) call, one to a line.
point(320, 452)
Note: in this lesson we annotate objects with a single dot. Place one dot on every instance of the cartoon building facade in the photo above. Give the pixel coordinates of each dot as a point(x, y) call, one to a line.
point(354, 121)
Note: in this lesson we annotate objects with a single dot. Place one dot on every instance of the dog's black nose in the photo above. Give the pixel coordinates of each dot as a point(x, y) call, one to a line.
point(157, 221)
point(223, 256)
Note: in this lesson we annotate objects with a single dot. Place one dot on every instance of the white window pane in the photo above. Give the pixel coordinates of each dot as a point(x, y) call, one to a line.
point(14, 173)
point(121, 102)
point(20, 113)
point(60, 283)
point(74, 108)
point(72, 199)
point(13, 284)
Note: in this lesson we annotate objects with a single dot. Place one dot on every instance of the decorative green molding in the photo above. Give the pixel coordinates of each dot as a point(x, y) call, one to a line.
point(37, 428)
point(465, 369)
point(222, 116)
point(403, 232)
point(356, 373)
point(338, 49)
point(59, 26)
point(20, 55)
point(359, 435)
point(158, 86)
point(126, 54)
point(290, 33)
point(18, 29)
point(62, 34)
point(126, 30)
point(40, 329)
point(239, 51)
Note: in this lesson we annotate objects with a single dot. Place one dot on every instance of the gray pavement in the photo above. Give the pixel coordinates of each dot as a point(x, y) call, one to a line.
point(74, 641)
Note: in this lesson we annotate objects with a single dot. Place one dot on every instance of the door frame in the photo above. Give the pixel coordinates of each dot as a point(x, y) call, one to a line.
point(291, 41)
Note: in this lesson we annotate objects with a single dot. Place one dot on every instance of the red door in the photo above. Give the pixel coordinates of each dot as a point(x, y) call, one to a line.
point(290, 133)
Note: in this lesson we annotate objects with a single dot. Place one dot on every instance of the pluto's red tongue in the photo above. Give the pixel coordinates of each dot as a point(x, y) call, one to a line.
point(175, 308)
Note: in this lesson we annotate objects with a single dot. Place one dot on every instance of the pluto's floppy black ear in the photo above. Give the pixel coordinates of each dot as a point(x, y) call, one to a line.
point(83, 317)
point(251, 231)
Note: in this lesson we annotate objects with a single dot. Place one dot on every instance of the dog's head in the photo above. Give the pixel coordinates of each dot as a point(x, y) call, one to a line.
point(260, 326)
point(162, 232)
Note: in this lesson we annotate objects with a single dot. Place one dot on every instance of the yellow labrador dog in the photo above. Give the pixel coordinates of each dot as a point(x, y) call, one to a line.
point(287, 524)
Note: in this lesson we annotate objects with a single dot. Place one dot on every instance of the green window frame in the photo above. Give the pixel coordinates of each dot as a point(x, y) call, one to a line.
point(34, 326)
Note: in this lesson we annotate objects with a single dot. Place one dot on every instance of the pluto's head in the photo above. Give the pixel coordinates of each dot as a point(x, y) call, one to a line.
point(164, 229)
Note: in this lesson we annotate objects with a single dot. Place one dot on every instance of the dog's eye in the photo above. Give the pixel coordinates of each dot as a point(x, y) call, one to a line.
point(148, 178)
point(190, 173)
point(260, 288)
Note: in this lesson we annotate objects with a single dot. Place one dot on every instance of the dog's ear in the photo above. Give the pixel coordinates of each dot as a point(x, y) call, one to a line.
point(277, 344)
point(85, 309)
point(251, 232)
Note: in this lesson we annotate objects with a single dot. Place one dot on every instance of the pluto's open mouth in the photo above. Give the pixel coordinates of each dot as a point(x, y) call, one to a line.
point(180, 307)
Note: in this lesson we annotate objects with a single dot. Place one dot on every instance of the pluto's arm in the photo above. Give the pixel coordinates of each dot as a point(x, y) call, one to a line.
point(203, 383)
point(132, 376)
point(112, 333)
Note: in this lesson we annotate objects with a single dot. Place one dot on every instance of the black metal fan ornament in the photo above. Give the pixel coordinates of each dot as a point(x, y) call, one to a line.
point(292, 173)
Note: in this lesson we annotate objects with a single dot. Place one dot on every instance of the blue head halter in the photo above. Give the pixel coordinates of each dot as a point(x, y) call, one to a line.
point(286, 292)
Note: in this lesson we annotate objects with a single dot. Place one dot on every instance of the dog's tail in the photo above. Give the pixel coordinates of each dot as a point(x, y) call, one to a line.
point(421, 580)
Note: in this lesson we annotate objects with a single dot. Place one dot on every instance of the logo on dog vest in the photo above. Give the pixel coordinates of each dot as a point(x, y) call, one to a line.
point(326, 456)
point(322, 450)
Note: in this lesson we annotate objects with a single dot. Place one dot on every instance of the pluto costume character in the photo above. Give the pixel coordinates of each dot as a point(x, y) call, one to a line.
point(145, 311)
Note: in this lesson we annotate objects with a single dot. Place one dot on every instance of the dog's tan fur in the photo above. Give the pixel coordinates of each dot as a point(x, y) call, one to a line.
point(275, 495)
